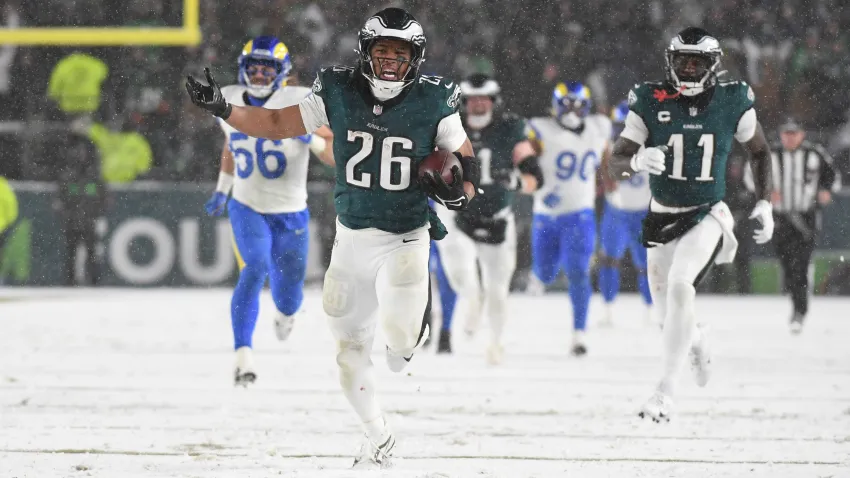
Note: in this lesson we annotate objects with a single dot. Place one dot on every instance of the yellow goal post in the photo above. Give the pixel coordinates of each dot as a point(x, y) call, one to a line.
point(187, 35)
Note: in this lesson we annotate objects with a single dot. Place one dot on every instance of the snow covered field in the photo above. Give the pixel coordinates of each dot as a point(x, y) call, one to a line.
point(123, 384)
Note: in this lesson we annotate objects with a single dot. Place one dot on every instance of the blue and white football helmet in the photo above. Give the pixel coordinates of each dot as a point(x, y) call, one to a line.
point(267, 51)
point(618, 117)
point(571, 103)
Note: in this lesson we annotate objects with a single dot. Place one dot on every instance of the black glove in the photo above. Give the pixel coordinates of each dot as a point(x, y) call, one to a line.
point(208, 97)
point(452, 197)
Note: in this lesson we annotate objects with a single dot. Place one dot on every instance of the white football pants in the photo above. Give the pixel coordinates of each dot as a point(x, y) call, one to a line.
point(461, 257)
point(374, 277)
point(674, 270)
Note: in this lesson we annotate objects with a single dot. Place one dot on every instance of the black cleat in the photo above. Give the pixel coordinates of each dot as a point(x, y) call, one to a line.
point(445, 344)
point(579, 350)
point(244, 379)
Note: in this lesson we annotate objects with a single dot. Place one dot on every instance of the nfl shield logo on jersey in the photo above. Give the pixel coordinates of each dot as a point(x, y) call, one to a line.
point(694, 111)
point(377, 110)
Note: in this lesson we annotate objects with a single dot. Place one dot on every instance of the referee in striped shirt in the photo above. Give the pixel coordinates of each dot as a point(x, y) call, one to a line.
point(803, 179)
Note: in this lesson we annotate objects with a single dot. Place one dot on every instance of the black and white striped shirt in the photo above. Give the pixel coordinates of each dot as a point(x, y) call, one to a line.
point(798, 176)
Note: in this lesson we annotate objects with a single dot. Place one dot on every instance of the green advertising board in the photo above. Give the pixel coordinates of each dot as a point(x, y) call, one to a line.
point(153, 234)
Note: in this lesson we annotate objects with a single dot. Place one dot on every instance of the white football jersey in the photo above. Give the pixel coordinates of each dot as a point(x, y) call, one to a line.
point(569, 163)
point(632, 194)
point(270, 176)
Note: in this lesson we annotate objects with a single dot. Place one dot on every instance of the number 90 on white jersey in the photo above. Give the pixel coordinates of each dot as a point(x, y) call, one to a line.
point(270, 176)
point(569, 163)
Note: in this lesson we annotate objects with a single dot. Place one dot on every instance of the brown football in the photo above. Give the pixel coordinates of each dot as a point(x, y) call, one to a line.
point(440, 162)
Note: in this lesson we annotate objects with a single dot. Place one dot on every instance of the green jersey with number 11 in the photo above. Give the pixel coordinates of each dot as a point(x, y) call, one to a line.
point(378, 145)
point(698, 139)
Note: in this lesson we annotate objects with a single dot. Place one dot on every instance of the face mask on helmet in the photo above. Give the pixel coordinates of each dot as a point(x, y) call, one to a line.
point(260, 76)
point(693, 59)
point(264, 66)
point(392, 47)
point(480, 96)
point(571, 111)
point(478, 111)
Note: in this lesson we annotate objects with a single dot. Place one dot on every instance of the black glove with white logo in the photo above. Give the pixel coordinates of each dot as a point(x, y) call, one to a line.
point(452, 197)
point(208, 97)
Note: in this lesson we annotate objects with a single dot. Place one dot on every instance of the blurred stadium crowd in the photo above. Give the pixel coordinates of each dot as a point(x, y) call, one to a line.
point(793, 52)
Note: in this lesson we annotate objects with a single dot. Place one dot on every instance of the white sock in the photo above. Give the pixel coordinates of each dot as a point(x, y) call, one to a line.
point(678, 332)
point(357, 378)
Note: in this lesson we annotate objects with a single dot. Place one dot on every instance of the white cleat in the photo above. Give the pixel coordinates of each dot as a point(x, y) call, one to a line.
point(283, 325)
point(244, 374)
point(375, 455)
point(579, 345)
point(607, 319)
point(796, 325)
point(495, 353)
point(535, 287)
point(658, 408)
point(700, 357)
point(397, 362)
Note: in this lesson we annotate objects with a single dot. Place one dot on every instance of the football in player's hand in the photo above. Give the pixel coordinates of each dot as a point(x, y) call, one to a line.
point(440, 162)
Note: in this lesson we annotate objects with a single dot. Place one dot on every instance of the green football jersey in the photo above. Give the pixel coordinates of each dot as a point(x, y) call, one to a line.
point(378, 147)
point(698, 142)
point(494, 147)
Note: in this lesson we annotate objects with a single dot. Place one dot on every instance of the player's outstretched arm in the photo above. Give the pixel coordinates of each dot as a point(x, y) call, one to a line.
point(760, 163)
point(253, 121)
point(620, 163)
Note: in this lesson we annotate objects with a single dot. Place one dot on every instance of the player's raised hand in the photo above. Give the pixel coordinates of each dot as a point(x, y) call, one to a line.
point(209, 96)
point(650, 159)
point(763, 212)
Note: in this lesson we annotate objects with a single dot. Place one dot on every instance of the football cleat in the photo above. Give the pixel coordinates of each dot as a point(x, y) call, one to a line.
point(658, 408)
point(579, 346)
point(495, 352)
point(444, 346)
point(796, 324)
point(283, 325)
point(244, 374)
point(375, 456)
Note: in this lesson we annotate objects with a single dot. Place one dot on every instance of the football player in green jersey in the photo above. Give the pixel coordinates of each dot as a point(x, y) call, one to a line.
point(685, 126)
point(484, 235)
point(386, 117)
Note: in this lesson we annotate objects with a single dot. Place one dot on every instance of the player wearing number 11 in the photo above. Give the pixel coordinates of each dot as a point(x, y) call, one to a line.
point(687, 124)
point(385, 118)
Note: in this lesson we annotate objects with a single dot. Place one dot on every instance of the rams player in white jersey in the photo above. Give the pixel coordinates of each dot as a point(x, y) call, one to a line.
point(564, 228)
point(626, 204)
point(268, 206)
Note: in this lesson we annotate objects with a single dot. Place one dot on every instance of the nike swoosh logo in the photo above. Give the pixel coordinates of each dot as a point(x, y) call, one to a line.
point(298, 232)
point(408, 240)
point(449, 86)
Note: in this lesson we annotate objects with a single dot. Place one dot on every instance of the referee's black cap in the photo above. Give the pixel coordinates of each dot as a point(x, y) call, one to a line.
point(790, 124)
